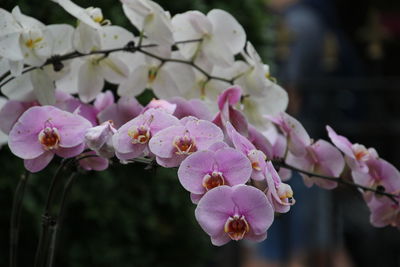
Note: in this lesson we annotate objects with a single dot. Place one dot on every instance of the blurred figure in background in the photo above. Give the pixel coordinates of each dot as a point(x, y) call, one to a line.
point(307, 52)
point(338, 60)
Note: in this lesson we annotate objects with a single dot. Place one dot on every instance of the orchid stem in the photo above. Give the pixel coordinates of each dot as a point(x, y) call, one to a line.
point(56, 59)
point(15, 218)
point(58, 223)
point(338, 180)
point(47, 219)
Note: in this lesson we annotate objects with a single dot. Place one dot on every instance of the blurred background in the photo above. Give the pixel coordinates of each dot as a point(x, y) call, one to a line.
point(339, 61)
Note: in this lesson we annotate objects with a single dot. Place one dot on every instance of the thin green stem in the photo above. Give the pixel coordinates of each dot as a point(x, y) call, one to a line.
point(15, 217)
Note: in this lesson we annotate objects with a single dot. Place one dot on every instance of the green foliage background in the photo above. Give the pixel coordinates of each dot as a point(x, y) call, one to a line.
point(125, 216)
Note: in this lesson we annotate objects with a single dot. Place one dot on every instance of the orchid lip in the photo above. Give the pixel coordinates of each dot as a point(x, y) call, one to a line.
point(49, 137)
point(254, 157)
point(184, 145)
point(360, 152)
point(285, 194)
point(213, 180)
point(236, 227)
point(139, 135)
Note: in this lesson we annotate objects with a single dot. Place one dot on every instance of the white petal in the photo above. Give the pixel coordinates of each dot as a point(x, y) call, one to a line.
point(20, 88)
point(133, 60)
point(43, 87)
point(214, 88)
point(184, 28)
point(203, 60)
point(228, 30)
point(115, 36)
point(61, 35)
point(218, 52)
point(164, 85)
point(251, 55)
point(136, 11)
point(200, 23)
point(90, 81)
point(276, 100)
point(16, 67)
point(10, 47)
point(69, 83)
point(148, 16)
point(273, 102)
point(136, 83)
point(86, 39)
point(113, 69)
point(7, 23)
point(26, 22)
point(158, 27)
point(163, 51)
point(78, 12)
point(254, 82)
point(31, 58)
point(43, 49)
point(183, 76)
point(4, 66)
point(3, 101)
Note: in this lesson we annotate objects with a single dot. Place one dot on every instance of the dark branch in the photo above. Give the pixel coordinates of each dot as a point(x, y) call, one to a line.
point(339, 180)
point(57, 60)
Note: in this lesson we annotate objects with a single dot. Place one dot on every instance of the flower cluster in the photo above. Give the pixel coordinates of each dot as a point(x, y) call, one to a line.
point(218, 118)
point(208, 156)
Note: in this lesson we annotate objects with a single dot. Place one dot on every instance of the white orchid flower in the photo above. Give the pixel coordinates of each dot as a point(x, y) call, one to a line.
point(261, 95)
point(167, 79)
point(23, 40)
point(151, 19)
point(87, 35)
point(33, 43)
point(88, 74)
point(222, 37)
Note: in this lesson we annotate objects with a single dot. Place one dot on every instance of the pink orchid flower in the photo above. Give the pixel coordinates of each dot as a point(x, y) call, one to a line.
point(44, 131)
point(192, 107)
point(233, 213)
point(126, 109)
point(227, 113)
point(279, 144)
point(11, 111)
point(381, 174)
point(91, 162)
point(132, 138)
point(160, 103)
point(204, 170)
point(256, 157)
point(260, 141)
point(173, 144)
point(103, 101)
point(99, 139)
point(384, 211)
point(356, 155)
point(321, 158)
point(298, 138)
point(279, 194)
